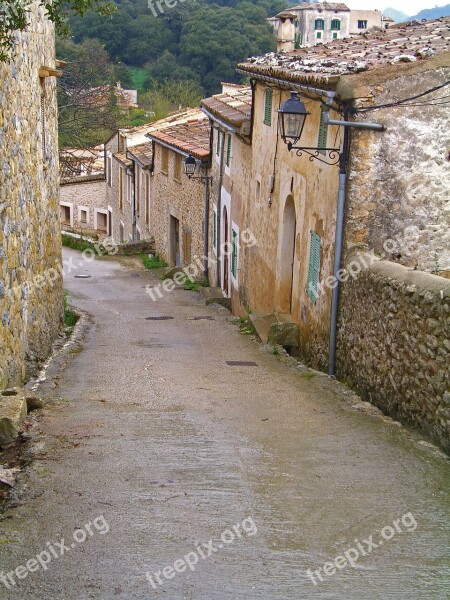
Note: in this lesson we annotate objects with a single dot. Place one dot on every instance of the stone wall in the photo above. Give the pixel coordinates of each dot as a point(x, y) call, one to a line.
point(399, 180)
point(394, 345)
point(31, 306)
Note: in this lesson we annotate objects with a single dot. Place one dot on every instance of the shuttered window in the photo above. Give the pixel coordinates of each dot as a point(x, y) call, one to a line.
point(312, 287)
point(319, 24)
point(336, 24)
point(268, 106)
point(228, 157)
point(323, 131)
point(234, 253)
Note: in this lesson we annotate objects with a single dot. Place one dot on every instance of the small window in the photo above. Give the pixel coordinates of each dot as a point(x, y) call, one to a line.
point(318, 35)
point(323, 131)
point(268, 106)
point(258, 189)
point(335, 35)
point(65, 215)
point(335, 25)
point(228, 156)
point(319, 24)
point(122, 232)
point(298, 40)
point(234, 253)
point(178, 167)
point(362, 24)
point(102, 221)
point(312, 288)
point(165, 160)
point(83, 216)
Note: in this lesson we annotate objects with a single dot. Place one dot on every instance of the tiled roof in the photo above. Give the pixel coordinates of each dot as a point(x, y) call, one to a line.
point(325, 63)
point(234, 106)
point(320, 6)
point(188, 131)
point(122, 157)
point(142, 153)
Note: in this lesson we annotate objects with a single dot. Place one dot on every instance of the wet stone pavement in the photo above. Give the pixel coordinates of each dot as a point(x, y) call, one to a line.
point(169, 473)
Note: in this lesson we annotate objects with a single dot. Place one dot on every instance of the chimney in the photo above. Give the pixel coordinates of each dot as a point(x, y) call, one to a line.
point(286, 32)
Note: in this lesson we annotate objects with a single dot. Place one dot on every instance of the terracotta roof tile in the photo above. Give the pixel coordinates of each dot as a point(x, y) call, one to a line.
point(325, 63)
point(188, 131)
point(233, 107)
point(142, 153)
point(320, 6)
point(122, 157)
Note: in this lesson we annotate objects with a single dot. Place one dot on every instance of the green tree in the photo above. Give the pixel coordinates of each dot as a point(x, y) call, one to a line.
point(14, 16)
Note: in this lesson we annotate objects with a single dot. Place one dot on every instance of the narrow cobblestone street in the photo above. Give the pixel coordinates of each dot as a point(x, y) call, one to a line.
point(148, 427)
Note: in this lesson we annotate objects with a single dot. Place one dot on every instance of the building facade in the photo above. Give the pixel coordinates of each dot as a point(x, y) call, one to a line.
point(31, 288)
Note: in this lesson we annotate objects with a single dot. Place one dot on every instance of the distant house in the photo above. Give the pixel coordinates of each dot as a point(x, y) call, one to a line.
point(323, 22)
point(31, 288)
point(178, 203)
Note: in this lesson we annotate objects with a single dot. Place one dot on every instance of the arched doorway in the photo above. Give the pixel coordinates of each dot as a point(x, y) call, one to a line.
point(225, 256)
point(286, 260)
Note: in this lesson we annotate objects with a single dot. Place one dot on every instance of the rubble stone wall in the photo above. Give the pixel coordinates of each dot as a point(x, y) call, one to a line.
point(394, 345)
point(31, 304)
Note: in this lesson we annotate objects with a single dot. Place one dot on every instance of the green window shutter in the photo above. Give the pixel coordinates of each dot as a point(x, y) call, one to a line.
point(268, 106)
point(339, 25)
point(228, 158)
point(234, 253)
point(316, 24)
point(319, 35)
point(298, 40)
point(218, 143)
point(312, 288)
point(323, 131)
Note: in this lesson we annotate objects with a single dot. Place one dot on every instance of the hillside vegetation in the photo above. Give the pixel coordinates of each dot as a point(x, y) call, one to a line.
point(197, 41)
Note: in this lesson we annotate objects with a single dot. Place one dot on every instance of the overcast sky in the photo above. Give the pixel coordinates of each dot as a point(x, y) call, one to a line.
point(410, 7)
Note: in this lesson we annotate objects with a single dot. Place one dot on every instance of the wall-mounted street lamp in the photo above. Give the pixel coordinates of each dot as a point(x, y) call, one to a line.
point(190, 166)
point(292, 116)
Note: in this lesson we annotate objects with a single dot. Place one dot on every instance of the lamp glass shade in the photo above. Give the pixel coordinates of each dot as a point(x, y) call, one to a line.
point(189, 165)
point(292, 115)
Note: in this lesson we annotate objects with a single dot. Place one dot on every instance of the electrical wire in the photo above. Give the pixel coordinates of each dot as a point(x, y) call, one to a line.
point(405, 100)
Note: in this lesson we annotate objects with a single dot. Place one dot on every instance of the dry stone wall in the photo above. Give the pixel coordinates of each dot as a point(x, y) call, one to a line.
point(31, 306)
point(394, 345)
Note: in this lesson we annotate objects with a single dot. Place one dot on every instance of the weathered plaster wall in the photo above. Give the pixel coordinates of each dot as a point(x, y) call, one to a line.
point(394, 345)
point(399, 180)
point(313, 188)
point(30, 244)
point(87, 193)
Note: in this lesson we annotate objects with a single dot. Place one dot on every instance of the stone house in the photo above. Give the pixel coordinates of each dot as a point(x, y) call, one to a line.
point(83, 207)
point(123, 221)
point(230, 115)
point(321, 22)
point(31, 288)
point(376, 193)
point(178, 203)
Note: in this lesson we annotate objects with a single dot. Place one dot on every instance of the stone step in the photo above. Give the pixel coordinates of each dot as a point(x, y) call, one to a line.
point(13, 410)
point(275, 328)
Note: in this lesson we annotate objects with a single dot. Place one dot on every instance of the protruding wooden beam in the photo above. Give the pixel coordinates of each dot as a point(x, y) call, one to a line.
point(49, 72)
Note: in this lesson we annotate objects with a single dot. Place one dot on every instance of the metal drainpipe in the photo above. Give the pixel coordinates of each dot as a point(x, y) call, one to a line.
point(219, 208)
point(338, 248)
